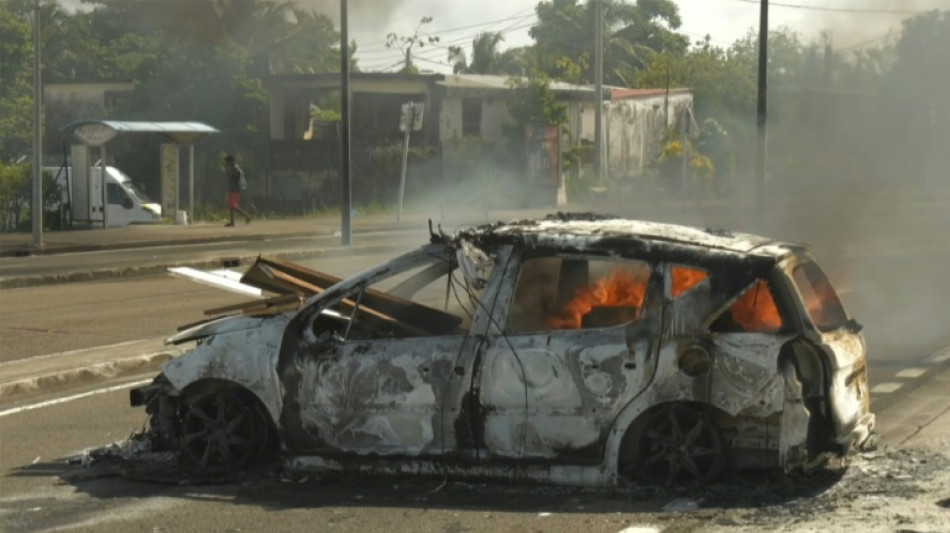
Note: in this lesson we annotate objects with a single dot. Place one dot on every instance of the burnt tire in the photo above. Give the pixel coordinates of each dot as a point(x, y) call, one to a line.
point(679, 446)
point(222, 431)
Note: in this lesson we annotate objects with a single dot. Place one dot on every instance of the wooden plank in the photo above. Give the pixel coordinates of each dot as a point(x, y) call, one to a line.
point(269, 302)
point(276, 274)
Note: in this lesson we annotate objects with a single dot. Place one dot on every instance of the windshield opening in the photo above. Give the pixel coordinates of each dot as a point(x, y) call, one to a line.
point(820, 299)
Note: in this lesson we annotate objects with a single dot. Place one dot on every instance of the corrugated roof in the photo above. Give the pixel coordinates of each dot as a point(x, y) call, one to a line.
point(632, 94)
point(124, 126)
point(499, 83)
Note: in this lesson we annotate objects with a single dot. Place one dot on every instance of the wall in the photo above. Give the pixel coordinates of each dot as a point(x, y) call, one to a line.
point(89, 94)
point(633, 131)
point(494, 118)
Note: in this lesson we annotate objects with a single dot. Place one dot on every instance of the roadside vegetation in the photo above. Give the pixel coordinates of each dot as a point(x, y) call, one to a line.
point(871, 114)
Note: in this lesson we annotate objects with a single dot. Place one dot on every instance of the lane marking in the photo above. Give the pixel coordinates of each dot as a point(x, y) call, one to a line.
point(886, 387)
point(940, 356)
point(66, 399)
point(911, 373)
point(79, 351)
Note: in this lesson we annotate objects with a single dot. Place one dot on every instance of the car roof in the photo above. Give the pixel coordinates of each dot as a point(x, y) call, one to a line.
point(576, 231)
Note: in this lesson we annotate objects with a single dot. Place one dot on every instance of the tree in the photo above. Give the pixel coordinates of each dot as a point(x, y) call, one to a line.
point(533, 102)
point(564, 37)
point(407, 43)
point(16, 70)
point(486, 59)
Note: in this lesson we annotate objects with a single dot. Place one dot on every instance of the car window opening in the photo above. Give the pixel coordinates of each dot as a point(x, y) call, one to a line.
point(820, 299)
point(684, 278)
point(569, 294)
point(753, 312)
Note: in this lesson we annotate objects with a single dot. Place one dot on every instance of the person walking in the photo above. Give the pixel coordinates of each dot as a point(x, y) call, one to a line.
point(236, 184)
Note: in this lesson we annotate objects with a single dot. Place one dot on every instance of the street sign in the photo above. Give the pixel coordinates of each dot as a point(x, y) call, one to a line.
point(411, 114)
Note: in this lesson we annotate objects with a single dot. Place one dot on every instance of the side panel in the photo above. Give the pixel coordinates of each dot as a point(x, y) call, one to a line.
point(385, 397)
point(555, 396)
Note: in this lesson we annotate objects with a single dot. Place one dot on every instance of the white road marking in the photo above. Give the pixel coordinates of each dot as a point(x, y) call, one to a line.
point(78, 351)
point(940, 356)
point(74, 397)
point(911, 373)
point(640, 529)
point(886, 387)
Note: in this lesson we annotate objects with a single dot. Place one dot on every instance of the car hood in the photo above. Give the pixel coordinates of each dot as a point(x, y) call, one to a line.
point(218, 326)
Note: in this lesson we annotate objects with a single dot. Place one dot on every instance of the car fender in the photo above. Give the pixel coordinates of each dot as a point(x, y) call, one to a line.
point(244, 356)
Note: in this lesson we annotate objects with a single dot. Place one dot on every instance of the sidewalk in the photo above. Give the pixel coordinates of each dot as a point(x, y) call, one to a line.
point(143, 236)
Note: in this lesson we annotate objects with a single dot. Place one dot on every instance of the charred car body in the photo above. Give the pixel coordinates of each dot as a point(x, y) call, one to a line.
point(574, 349)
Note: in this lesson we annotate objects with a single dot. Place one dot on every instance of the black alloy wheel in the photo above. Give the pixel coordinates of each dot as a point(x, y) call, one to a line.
point(222, 432)
point(680, 446)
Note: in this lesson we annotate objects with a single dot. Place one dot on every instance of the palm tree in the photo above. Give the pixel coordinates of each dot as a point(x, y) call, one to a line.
point(486, 59)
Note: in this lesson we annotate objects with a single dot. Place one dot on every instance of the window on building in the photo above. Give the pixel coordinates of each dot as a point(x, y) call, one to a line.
point(471, 117)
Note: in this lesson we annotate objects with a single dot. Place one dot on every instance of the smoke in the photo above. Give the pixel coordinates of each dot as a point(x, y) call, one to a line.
point(365, 16)
point(870, 21)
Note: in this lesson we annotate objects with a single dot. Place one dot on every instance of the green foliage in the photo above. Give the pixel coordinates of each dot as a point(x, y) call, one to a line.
point(16, 193)
point(16, 96)
point(632, 33)
point(487, 58)
point(324, 115)
point(533, 102)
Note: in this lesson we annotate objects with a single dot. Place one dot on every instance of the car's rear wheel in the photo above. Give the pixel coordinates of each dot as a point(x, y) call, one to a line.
point(679, 445)
point(222, 431)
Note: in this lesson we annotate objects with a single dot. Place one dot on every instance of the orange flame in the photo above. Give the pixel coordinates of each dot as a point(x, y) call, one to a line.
point(684, 279)
point(756, 311)
point(620, 288)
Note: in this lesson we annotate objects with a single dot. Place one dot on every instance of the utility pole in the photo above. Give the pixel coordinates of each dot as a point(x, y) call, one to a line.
point(761, 185)
point(345, 126)
point(598, 88)
point(37, 132)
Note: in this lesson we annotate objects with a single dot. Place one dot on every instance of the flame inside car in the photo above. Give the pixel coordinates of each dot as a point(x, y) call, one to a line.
point(622, 289)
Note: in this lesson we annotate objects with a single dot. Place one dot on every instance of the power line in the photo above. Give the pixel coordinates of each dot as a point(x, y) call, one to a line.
point(432, 49)
point(840, 9)
point(462, 28)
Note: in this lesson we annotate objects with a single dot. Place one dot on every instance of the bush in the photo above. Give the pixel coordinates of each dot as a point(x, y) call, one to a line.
point(16, 194)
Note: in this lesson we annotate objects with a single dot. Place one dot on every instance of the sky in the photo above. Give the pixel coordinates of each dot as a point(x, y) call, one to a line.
point(851, 23)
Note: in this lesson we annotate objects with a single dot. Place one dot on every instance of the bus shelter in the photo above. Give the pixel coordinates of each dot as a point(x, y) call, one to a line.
point(93, 133)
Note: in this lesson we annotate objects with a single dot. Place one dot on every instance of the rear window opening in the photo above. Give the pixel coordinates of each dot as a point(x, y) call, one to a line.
point(820, 299)
point(753, 312)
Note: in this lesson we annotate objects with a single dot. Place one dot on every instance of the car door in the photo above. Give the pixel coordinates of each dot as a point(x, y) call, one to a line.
point(362, 387)
point(572, 341)
point(722, 331)
point(119, 205)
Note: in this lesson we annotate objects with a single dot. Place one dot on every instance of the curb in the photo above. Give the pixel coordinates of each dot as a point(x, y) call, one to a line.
point(75, 377)
point(27, 251)
point(19, 282)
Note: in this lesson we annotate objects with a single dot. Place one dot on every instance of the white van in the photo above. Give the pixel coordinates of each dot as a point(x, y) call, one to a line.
point(125, 203)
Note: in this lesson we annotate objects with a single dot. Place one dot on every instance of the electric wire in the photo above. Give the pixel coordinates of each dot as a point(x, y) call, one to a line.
point(839, 9)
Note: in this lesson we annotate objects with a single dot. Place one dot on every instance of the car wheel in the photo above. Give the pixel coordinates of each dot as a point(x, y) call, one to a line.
point(221, 431)
point(681, 446)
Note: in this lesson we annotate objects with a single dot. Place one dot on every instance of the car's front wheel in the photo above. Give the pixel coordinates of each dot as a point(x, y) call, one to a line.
point(222, 431)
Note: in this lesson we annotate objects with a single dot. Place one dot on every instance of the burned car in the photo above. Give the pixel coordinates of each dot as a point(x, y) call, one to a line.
point(573, 349)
